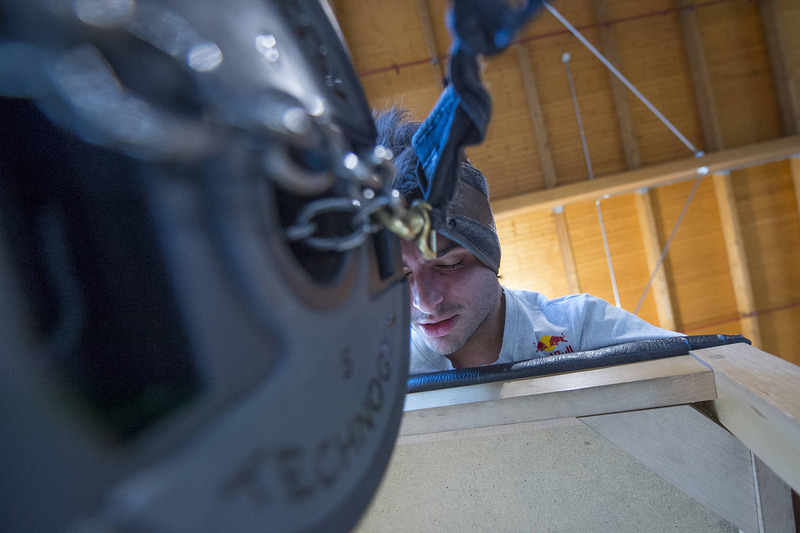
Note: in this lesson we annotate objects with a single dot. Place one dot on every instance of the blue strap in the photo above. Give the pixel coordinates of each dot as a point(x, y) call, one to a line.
point(461, 116)
point(488, 26)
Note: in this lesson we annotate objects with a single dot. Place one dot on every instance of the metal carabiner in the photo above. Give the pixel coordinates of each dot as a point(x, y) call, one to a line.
point(414, 224)
point(425, 237)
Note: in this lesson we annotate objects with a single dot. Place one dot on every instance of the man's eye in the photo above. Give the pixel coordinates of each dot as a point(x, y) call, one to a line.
point(454, 266)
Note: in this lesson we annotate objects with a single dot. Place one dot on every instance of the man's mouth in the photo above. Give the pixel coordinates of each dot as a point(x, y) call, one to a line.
point(439, 329)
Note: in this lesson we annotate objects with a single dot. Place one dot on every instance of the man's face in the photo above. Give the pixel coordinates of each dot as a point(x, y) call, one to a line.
point(451, 296)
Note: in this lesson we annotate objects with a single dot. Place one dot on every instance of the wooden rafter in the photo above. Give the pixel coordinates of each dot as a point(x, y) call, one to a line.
point(701, 80)
point(567, 256)
point(652, 249)
point(537, 117)
point(785, 90)
point(794, 163)
point(648, 177)
point(430, 43)
point(618, 91)
point(737, 257)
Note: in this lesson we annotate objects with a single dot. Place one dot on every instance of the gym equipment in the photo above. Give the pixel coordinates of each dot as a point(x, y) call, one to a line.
point(203, 328)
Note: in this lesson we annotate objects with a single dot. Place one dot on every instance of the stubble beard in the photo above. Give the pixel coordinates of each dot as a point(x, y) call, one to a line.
point(450, 343)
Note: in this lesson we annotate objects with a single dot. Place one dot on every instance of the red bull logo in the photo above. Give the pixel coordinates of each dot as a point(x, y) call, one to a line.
point(548, 343)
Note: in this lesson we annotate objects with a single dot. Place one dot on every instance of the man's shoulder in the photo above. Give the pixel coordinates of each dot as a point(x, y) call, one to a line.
point(538, 300)
point(573, 309)
point(529, 298)
point(537, 326)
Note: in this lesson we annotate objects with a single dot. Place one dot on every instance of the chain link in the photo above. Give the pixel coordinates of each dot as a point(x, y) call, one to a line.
point(371, 206)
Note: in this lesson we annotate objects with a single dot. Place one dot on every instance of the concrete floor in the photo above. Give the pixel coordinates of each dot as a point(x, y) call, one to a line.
point(560, 478)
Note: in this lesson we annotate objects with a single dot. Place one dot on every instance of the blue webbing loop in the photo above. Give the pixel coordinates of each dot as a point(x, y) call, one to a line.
point(461, 116)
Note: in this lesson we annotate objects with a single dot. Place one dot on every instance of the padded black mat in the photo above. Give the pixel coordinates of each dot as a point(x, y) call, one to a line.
point(630, 352)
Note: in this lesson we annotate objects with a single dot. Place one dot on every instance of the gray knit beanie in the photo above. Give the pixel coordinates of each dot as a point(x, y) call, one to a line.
point(468, 218)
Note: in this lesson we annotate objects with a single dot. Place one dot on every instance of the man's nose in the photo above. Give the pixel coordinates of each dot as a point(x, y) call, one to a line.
point(426, 292)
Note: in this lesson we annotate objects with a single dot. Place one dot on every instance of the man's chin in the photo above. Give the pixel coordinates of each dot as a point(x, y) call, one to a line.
point(440, 345)
point(443, 345)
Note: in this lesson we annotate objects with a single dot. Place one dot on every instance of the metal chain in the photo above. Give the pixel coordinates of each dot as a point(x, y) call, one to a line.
point(371, 205)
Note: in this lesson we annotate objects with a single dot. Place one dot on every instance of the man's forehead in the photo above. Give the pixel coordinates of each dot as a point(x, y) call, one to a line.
point(444, 246)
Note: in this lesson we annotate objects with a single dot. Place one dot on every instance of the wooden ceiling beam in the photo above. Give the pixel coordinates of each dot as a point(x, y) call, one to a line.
point(701, 80)
point(430, 43)
point(649, 177)
point(794, 164)
point(652, 250)
point(737, 257)
point(786, 92)
point(567, 255)
point(537, 117)
point(618, 90)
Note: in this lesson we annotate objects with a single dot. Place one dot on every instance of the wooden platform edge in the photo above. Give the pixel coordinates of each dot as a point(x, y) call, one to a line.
point(758, 401)
point(643, 385)
point(694, 453)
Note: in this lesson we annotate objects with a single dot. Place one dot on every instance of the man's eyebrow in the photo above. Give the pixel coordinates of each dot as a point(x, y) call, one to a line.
point(452, 246)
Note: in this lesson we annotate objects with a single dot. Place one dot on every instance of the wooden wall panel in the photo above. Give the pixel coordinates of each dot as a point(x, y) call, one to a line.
point(587, 242)
point(740, 72)
point(508, 158)
point(628, 255)
point(531, 257)
point(441, 35)
point(403, 89)
point(771, 234)
point(376, 41)
point(723, 325)
point(697, 262)
point(779, 333)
